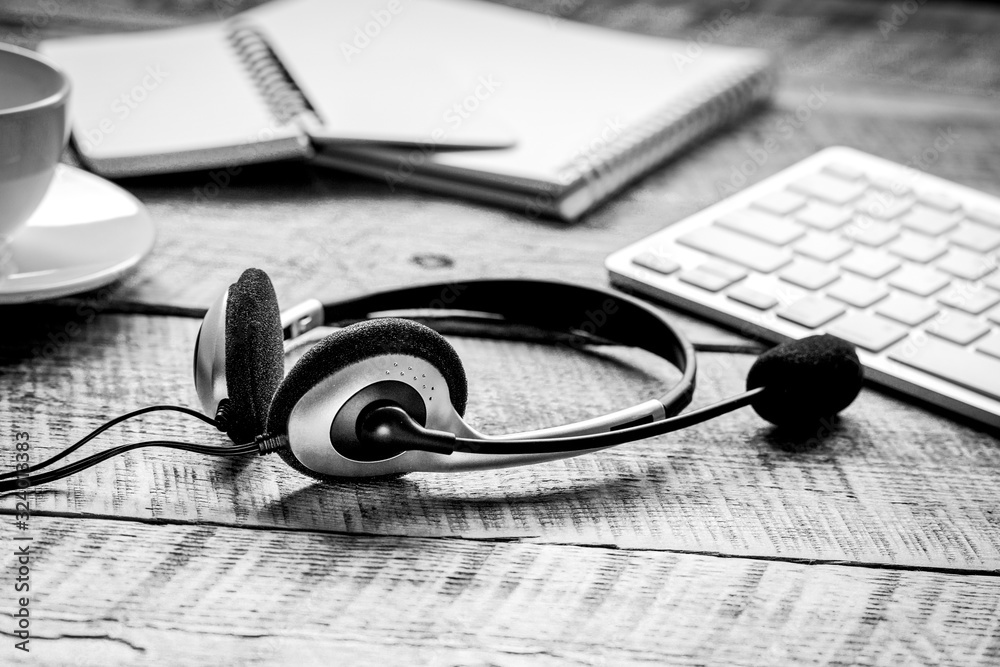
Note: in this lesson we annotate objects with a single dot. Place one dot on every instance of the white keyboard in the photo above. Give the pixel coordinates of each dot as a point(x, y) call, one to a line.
point(896, 261)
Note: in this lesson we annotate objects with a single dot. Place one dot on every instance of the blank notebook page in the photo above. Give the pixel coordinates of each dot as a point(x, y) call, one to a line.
point(570, 89)
point(200, 99)
point(397, 86)
point(557, 85)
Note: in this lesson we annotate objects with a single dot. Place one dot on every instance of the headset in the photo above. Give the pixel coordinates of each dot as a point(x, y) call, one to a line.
point(384, 396)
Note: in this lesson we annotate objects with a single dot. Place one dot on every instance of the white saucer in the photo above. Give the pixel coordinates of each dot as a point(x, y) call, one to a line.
point(86, 233)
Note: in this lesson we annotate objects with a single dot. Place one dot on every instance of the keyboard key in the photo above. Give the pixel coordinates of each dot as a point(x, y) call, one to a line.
point(970, 299)
point(736, 248)
point(857, 292)
point(994, 316)
point(724, 269)
point(870, 332)
point(872, 264)
point(823, 247)
point(809, 274)
point(993, 281)
point(929, 221)
point(712, 282)
point(762, 226)
point(883, 205)
point(918, 248)
point(974, 371)
point(844, 171)
point(811, 312)
point(752, 297)
point(919, 280)
point(987, 217)
point(780, 203)
point(871, 232)
point(656, 262)
point(976, 237)
point(829, 188)
point(939, 200)
point(965, 264)
point(959, 328)
point(823, 216)
point(990, 345)
point(907, 309)
point(890, 184)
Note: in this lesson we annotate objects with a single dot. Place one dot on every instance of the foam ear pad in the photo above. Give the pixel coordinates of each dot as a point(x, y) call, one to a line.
point(354, 344)
point(254, 354)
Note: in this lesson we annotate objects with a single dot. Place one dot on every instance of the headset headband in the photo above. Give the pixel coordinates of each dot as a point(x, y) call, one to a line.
point(583, 312)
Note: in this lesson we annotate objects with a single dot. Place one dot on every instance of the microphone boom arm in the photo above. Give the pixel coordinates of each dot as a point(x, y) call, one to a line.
point(392, 425)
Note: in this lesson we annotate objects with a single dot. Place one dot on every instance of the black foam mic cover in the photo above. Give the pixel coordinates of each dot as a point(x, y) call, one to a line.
point(806, 381)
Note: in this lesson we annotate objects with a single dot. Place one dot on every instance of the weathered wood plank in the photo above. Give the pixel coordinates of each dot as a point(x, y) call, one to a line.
point(126, 593)
point(322, 233)
point(893, 484)
point(943, 47)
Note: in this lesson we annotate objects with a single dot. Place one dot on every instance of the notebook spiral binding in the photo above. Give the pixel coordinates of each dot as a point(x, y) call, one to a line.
point(665, 133)
point(282, 95)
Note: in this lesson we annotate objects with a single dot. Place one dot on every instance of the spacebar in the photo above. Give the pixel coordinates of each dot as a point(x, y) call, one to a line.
point(736, 248)
point(968, 369)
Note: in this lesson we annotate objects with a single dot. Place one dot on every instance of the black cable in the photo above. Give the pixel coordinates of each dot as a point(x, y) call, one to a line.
point(101, 429)
point(609, 439)
point(94, 459)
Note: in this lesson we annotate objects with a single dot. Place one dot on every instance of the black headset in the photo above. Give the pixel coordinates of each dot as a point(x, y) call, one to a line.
point(385, 396)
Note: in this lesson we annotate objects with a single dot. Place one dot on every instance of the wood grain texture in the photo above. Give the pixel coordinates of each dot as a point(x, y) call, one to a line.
point(321, 233)
point(248, 597)
point(721, 545)
point(893, 483)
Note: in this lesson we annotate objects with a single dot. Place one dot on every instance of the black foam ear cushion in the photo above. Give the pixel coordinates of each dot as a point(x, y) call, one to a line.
point(254, 354)
point(354, 344)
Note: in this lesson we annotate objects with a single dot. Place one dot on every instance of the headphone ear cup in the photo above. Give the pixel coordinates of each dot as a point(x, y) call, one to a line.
point(254, 354)
point(354, 344)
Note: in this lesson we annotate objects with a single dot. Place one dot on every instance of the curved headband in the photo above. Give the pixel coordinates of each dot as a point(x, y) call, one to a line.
point(558, 307)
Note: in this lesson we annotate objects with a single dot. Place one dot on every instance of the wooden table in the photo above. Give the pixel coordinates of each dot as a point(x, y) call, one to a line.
point(721, 544)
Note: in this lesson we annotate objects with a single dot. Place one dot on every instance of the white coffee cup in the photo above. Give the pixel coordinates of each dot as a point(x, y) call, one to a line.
point(33, 132)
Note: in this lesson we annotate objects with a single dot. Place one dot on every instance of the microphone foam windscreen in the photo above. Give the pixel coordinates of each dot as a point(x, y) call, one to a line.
point(806, 381)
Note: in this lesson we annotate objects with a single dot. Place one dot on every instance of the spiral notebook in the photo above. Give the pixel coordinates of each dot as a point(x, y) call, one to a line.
point(535, 112)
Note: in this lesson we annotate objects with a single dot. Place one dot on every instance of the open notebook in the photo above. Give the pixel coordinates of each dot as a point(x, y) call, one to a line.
point(465, 97)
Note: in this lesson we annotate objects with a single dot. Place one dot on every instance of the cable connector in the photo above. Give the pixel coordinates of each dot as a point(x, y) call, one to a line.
point(222, 415)
point(268, 444)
